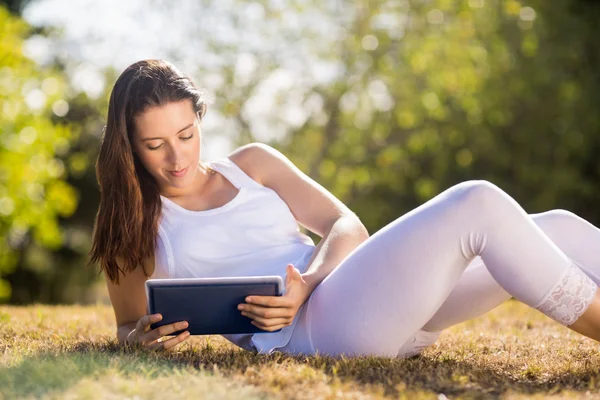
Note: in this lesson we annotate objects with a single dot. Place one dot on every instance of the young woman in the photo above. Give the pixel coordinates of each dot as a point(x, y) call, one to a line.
point(164, 212)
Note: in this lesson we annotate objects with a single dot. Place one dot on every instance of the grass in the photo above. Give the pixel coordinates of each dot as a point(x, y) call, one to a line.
point(512, 352)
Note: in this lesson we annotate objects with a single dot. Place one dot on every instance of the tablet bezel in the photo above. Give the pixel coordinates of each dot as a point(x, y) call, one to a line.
point(209, 282)
point(216, 281)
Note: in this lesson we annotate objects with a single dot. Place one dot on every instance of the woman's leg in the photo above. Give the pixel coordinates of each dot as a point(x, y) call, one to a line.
point(477, 292)
point(393, 283)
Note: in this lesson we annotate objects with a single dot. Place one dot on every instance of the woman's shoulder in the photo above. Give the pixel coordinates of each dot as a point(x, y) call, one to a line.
point(255, 158)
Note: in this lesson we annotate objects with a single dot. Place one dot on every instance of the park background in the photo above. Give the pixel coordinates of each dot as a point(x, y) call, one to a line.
point(385, 103)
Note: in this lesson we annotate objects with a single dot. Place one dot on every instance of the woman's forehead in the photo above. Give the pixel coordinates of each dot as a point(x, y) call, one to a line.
point(165, 120)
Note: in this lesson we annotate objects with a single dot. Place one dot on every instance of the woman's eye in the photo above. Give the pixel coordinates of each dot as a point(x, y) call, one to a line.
point(183, 138)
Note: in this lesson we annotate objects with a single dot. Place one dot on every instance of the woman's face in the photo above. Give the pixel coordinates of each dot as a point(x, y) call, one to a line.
point(166, 139)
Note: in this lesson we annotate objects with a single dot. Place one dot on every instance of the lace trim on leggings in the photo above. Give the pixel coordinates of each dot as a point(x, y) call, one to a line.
point(570, 296)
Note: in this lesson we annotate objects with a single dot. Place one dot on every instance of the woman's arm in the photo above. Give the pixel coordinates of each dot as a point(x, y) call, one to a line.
point(128, 299)
point(313, 206)
point(346, 233)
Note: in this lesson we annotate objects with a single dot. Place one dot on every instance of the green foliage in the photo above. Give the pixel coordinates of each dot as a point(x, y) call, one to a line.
point(432, 93)
point(33, 190)
point(468, 89)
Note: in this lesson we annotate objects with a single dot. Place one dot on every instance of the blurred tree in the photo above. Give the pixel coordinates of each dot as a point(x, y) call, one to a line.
point(419, 95)
point(438, 92)
point(33, 191)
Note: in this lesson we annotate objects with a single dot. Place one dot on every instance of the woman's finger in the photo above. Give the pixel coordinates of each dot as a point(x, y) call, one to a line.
point(269, 301)
point(268, 321)
point(168, 344)
point(144, 323)
point(267, 312)
point(156, 345)
point(165, 330)
point(269, 328)
point(172, 343)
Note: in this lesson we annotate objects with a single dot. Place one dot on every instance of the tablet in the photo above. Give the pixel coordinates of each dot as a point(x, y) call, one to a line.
point(209, 305)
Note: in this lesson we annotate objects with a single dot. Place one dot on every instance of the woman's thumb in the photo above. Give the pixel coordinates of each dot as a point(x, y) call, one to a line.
point(289, 271)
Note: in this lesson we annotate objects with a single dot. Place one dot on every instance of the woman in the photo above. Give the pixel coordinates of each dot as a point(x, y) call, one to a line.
point(166, 213)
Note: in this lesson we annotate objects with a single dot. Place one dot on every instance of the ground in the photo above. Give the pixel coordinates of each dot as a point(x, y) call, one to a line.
point(512, 352)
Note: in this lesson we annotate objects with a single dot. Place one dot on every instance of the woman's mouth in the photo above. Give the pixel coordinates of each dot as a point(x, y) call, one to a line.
point(180, 173)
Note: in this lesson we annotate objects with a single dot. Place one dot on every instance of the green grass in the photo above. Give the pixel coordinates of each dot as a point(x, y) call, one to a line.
point(70, 352)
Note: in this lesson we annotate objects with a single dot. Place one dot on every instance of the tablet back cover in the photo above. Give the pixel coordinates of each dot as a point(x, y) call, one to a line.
point(210, 309)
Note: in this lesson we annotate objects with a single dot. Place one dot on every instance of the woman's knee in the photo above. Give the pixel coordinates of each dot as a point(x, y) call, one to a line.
point(560, 223)
point(480, 195)
point(556, 216)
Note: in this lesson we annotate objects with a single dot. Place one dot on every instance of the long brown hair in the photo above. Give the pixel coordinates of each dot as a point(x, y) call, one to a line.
point(127, 221)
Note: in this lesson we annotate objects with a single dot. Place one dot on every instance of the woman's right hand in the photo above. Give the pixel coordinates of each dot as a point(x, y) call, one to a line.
point(153, 338)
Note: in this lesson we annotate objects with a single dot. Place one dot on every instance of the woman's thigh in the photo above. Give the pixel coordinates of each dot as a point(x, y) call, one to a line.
point(390, 285)
point(475, 294)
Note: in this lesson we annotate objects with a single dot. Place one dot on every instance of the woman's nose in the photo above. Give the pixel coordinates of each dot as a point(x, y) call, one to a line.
point(176, 158)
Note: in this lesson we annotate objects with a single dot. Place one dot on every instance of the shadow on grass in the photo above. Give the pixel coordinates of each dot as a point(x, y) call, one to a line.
point(435, 373)
point(58, 371)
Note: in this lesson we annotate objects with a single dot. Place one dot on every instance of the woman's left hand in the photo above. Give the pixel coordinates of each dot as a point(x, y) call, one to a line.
point(271, 313)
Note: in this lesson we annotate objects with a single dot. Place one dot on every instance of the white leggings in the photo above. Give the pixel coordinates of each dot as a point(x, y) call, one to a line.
point(453, 258)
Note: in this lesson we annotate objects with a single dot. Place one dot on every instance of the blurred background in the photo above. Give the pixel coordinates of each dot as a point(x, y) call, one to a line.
point(384, 102)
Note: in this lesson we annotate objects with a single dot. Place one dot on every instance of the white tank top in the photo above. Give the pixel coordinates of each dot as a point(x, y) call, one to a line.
point(254, 234)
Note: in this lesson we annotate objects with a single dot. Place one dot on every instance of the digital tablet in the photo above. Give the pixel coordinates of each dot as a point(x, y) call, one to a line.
point(209, 305)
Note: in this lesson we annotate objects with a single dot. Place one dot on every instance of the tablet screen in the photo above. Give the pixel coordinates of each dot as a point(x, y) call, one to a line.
point(208, 304)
